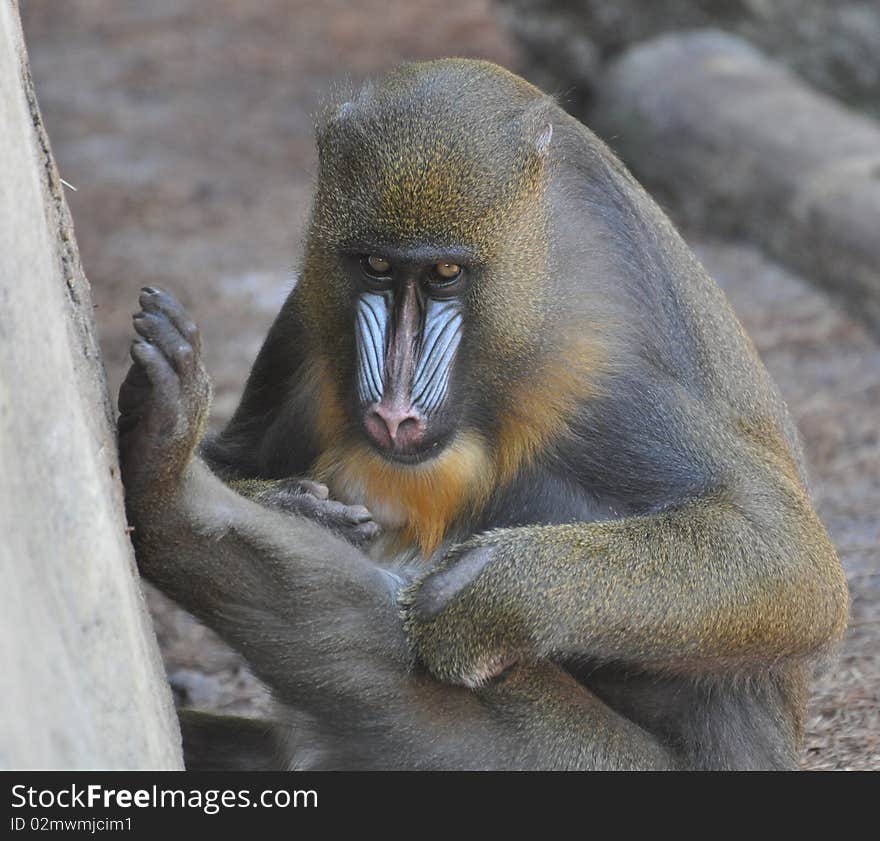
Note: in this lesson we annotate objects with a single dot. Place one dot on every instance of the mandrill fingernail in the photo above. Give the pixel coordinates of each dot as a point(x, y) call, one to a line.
point(149, 290)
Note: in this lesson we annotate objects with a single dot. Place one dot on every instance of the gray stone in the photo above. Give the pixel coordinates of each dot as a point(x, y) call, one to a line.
point(81, 682)
point(734, 142)
point(834, 44)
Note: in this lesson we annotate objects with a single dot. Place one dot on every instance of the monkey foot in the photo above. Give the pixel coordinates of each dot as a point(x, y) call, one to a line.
point(164, 400)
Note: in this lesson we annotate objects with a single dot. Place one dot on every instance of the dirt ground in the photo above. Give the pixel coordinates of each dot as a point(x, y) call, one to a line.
point(185, 126)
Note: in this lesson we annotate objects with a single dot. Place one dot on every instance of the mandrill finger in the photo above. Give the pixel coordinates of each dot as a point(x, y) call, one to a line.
point(340, 512)
point(161, 375)
point(315, 489)
point(157, 300)
point(364, 532)
point(157, 328)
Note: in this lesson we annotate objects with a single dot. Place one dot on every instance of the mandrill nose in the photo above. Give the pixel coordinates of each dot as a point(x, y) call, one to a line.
point(395, 427)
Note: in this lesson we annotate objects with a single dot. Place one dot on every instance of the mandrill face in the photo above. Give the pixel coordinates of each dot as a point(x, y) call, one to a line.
point(416, 219)
point(409, 317)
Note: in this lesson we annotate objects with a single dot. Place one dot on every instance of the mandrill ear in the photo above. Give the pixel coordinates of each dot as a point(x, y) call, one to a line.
point(331, 121)
point(336, 120)
point(536, 127)
point(343, 112)
point(542, 141)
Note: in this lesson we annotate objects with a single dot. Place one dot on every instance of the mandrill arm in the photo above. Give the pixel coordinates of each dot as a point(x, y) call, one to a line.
point(318, 622)
point(707, 586)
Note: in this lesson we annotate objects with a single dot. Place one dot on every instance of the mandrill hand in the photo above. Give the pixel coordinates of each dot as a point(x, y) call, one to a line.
point(311, 500)
point(460, 621)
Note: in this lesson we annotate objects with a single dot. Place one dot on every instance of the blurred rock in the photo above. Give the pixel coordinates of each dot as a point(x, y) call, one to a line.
point(736, 143)
point(562, 58)
point(835, 44)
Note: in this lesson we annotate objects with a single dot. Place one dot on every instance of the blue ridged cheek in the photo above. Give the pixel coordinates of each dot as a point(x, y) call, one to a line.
point(371, 329)
point(439, 344)
point(442, 334)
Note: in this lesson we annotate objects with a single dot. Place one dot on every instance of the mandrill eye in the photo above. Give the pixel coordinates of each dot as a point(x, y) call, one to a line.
point(445, 279)
point(376, 266)
point(447, 271)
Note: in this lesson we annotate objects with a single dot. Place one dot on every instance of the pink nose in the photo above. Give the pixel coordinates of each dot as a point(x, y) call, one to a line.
point(394, 427)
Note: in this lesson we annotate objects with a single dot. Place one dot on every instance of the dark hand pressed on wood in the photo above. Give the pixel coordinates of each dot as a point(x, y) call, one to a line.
point(565, 522)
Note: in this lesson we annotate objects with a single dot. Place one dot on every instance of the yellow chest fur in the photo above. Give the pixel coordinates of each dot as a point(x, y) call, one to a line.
point(420, 502)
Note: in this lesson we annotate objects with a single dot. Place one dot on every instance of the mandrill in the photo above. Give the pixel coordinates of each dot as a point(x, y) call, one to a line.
point(508, 486)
